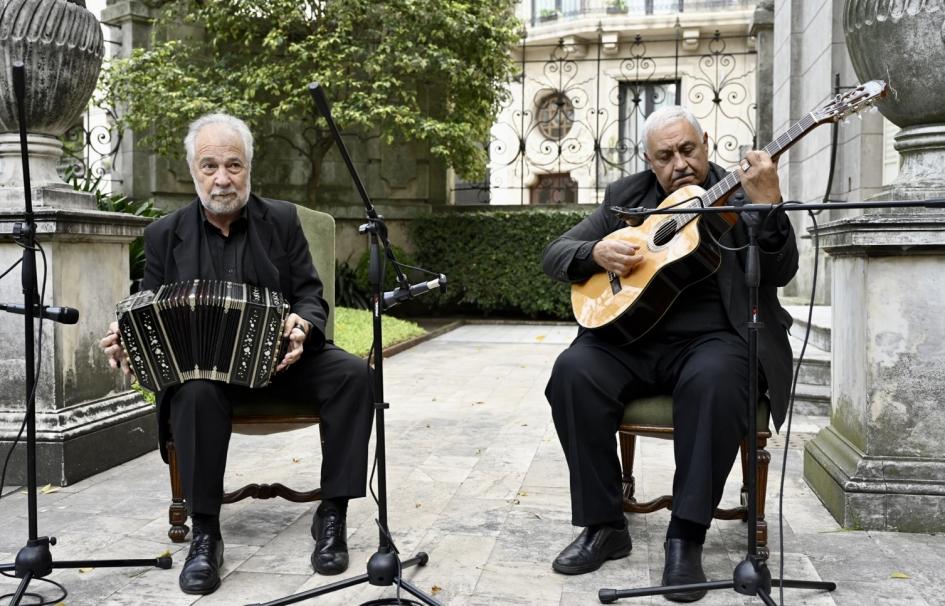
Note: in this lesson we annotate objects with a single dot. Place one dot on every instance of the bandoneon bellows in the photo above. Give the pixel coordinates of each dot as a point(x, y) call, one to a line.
point(203, 329)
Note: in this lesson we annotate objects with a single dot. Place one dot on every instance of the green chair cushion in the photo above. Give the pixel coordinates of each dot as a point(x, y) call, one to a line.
point(319, 229)
point(657, 411)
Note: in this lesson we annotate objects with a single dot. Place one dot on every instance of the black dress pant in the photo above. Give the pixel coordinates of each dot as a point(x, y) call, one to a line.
point(337, 385)
point(707, 377)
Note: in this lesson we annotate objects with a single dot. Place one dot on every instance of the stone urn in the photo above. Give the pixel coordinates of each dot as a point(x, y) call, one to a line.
point(903, 43)
point(61, 46)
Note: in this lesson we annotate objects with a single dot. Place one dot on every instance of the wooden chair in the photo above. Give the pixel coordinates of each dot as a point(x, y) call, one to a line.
point(653, 417)
point(274, 416)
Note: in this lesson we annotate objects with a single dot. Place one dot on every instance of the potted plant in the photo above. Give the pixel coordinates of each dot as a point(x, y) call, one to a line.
point(548, 14)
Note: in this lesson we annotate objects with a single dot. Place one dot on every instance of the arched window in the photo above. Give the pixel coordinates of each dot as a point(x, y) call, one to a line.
point(555, 116)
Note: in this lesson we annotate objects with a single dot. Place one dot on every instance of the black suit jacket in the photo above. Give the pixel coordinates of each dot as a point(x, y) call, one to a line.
point(568, 259)
point(280, 259)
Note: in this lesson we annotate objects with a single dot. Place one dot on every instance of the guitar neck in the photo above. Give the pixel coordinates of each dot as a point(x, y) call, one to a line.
point(717, 193)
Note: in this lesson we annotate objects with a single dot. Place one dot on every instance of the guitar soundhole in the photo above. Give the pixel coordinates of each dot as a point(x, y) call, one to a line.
point(664, 233)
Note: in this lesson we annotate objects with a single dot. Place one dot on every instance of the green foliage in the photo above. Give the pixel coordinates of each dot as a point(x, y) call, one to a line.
point(349, 292)
point(422, 70)
point(117, 203)
point(361, 273)
point(493, 259)
point(354, 330)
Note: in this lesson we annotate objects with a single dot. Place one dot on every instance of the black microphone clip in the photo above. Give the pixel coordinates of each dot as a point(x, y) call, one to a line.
point(632, 216)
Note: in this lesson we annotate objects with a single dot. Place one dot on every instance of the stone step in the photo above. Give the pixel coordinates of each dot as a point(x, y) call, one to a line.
point(820, 324)
point(812, 399)
point(816, 367)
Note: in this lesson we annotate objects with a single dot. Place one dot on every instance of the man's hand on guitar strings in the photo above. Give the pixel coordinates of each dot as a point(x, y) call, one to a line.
point(758, 175)
point(616, 256)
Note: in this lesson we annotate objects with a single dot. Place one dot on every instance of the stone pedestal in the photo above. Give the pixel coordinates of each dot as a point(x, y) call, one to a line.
point(880, 464)
point(87, 418)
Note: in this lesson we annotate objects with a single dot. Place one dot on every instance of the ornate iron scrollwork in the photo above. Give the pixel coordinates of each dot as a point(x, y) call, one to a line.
point(602, 100)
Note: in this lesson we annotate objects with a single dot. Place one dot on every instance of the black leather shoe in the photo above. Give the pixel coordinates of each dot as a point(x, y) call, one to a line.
point(594, 546)
point(331, 545)
point(201, 572)
point(683, 566)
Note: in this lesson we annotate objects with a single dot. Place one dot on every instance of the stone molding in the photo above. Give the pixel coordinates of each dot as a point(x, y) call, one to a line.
point(875, 234)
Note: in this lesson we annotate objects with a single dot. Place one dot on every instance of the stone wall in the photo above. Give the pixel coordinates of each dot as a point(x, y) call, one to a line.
point(403, 179)
point(809, 49)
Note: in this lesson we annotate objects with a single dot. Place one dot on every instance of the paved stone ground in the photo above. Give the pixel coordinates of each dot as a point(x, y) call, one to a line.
point(478, 481)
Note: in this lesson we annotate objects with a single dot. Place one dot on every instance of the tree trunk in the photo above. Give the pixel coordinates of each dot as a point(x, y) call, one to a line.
point(317, 154)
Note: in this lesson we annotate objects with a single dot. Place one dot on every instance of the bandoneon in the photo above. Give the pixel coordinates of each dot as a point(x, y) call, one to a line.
point(203, 329)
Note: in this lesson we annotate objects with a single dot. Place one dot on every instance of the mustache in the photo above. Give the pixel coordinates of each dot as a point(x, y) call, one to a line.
point(230, 191)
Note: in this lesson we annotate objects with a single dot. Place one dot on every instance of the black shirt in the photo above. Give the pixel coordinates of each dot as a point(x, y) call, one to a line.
point(226, 252)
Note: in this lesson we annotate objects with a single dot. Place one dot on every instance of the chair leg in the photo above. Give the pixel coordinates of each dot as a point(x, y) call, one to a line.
point(177, 512)
point(764, 459)
point(627, 446)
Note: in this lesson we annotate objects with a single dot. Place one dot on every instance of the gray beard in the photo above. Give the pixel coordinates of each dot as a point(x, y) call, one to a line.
point(218, 206)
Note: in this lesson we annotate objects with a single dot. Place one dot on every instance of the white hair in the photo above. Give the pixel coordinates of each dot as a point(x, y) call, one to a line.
point(665, 115)
point(240, 127)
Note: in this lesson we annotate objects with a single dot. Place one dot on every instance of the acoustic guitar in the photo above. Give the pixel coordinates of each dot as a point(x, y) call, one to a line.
point(677, 251)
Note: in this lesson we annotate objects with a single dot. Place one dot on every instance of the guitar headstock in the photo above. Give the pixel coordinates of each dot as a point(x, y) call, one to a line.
point(850, 102)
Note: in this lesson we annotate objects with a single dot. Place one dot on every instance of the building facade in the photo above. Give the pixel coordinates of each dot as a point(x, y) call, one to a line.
point(592, 70)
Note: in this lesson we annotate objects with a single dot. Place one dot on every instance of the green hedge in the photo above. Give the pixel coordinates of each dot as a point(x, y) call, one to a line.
point(492, 259)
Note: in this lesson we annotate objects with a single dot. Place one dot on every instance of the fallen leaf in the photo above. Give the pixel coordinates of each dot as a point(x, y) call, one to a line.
point(296, 459)
point(899, 575)
point(522, 493)
point(418, 505)
point(436, 589)
point(540, 338)
point(166, 554)
point(49, 488)
point(86, 569)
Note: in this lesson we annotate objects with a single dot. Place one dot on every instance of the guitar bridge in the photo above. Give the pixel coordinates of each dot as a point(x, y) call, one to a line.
point(615, 285)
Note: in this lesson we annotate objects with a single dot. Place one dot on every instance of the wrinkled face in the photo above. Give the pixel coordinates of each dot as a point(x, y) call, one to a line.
point(220, 169)
point(677, 156)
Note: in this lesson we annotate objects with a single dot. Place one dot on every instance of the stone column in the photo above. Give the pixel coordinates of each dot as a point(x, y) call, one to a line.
point(881, 462)
point(762, 28)
point(87, 418)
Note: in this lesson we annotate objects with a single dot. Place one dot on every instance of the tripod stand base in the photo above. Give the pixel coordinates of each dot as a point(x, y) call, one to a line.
point(609, 596)
point(418, 560)
point(35, 561)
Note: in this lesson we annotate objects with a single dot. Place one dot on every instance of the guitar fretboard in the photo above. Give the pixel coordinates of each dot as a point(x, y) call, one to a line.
point(785, 140)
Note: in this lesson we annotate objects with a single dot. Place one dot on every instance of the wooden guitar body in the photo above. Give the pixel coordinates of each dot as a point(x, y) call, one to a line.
point(624, 308)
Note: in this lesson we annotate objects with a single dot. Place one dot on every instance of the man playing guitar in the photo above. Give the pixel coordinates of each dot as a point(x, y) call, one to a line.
point(696, 351)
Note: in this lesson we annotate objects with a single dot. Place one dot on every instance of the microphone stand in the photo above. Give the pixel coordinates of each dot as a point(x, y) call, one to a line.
point(751, 576)
point(384, 567)
point(34, 560)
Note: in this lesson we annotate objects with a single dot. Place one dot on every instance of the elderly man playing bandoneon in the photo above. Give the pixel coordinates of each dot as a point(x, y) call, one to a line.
point(228, 233)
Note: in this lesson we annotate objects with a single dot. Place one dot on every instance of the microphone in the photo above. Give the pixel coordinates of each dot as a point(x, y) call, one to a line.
point(63, 315)
point(392, 297)
point(632, 216)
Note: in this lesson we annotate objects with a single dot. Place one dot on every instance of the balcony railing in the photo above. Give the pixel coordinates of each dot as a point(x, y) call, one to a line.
point(546, 11)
